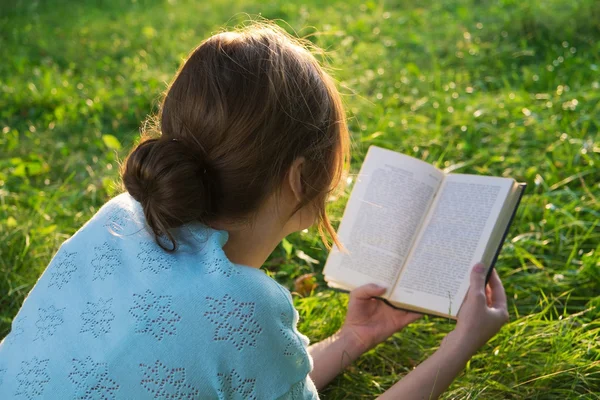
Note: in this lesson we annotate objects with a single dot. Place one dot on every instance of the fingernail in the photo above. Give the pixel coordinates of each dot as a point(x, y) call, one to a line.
point(479, 267)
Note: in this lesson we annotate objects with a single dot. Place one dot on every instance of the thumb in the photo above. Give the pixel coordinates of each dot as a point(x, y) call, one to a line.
point(478, 274)
point(368, 291)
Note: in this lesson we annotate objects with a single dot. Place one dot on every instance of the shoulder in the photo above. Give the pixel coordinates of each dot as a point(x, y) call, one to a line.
point(255, 329)
point(121, 216)
point(248, 327)
point(247, 291)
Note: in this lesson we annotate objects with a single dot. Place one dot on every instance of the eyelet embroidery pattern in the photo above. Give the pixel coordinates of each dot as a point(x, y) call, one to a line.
point(297, 391)
point(49, 319)
point(17, 329)
point(219, 263)
point(106, 258)
point(234, 320)
point(293, 347)
point(233, 387)
point(2, 372)
point(62, 270)
point(153, 258)
point(91, 380)
point(116, 221)
point(167, 383)
point(97, 317)
point(154, 315)
point(32, 378)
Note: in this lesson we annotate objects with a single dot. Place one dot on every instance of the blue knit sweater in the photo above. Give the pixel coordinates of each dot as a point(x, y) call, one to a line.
point(116, 317)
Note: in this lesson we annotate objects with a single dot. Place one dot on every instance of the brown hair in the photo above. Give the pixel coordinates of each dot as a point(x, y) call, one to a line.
point(241, 109)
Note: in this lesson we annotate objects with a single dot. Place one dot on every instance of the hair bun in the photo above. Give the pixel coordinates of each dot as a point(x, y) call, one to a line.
point(171, 183)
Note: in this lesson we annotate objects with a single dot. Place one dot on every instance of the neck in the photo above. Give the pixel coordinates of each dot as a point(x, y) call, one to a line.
point(251, 244)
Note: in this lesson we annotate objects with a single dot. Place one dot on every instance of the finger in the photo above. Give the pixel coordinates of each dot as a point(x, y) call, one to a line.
point(498, 293)
point(403, 318)
point(478, 279)
point(412, 317)
point(367, 291)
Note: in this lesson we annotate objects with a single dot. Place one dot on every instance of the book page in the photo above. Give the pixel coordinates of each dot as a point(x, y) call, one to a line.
point(453, 239)
point(389, 201)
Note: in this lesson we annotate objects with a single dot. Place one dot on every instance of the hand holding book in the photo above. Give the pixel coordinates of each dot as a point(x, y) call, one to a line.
point(483, 312)
point(481, 316)
point(370, 320)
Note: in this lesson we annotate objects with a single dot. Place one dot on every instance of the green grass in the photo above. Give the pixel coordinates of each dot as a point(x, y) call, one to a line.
point(505, 87)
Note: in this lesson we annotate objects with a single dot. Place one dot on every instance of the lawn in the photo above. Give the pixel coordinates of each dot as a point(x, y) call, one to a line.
point(505, 87)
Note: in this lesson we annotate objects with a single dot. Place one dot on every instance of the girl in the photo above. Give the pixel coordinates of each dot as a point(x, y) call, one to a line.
point(160, 294)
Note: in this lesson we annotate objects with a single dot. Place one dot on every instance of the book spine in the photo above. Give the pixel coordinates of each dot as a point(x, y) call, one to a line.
point(489, 273)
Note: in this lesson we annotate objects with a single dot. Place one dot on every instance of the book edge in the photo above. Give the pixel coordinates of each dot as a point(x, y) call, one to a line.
point(522, 187)
point(425, 163)
point(399, 307)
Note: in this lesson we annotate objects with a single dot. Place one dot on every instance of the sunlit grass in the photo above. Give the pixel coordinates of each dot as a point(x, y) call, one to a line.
point(509, 88)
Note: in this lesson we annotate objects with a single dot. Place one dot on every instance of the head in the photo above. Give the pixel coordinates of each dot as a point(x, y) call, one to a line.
point(251, 123)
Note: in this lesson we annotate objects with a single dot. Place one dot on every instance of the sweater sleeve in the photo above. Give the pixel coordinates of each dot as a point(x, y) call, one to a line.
point(302, 390)
point(267, 358)
point(254, 348)
point(290, 349)
point(280, 365)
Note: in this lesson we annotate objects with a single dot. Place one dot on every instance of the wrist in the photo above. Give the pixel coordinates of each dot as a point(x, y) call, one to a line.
point(459, 345)
point(354, 344)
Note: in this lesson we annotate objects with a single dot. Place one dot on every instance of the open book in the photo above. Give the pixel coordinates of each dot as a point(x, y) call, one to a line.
point(419, 231)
